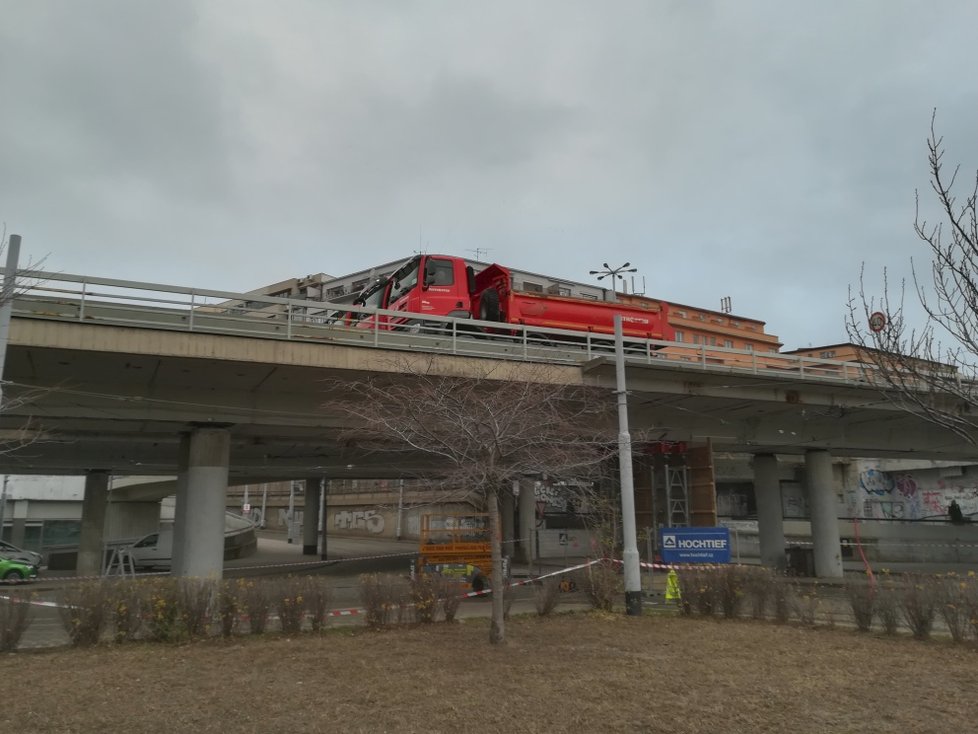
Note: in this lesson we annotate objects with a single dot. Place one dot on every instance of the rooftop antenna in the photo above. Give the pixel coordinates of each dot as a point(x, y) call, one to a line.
point(479, 252)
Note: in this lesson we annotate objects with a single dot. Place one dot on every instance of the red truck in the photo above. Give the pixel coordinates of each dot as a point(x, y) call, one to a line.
point(442, 285)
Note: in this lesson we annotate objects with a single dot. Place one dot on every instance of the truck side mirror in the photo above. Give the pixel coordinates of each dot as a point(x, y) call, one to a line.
point(429, 274)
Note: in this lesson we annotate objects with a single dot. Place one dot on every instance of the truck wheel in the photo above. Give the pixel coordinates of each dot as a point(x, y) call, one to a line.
point(489, 305)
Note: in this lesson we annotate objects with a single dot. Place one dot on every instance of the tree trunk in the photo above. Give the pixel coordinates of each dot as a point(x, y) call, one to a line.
point(497, 628)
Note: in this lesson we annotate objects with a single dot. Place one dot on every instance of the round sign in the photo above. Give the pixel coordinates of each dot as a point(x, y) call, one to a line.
point(877, 320)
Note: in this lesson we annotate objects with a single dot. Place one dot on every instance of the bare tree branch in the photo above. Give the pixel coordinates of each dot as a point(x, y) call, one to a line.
point(914, 367)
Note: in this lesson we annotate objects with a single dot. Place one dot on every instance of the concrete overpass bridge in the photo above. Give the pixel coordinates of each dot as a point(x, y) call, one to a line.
point(113, 377)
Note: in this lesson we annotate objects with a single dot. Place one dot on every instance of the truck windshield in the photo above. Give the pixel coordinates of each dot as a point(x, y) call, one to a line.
point(404, 279)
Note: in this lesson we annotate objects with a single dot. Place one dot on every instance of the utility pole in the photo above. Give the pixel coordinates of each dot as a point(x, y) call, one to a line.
point(6, 306)
point(633, 578)
point(7, 301)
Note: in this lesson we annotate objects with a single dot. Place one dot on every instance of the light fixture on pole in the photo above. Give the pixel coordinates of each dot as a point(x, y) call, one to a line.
point(613, 273)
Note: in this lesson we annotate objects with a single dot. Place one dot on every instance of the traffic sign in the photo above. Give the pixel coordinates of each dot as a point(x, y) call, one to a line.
point(877, 321)
point(695, 545)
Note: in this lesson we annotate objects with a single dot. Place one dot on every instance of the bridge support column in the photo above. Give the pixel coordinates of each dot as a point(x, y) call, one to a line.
point(528, 519)
point(310, 518)
point(824, 515)
point(507, 514)
point(180, 509)
point(770, 518)
point(207, 486)
point(91, 545)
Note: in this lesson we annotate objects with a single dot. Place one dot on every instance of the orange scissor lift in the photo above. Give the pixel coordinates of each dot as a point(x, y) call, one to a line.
point(456, 546)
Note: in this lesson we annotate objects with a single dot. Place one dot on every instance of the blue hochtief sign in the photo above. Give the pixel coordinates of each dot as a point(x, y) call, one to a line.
point(695, 545)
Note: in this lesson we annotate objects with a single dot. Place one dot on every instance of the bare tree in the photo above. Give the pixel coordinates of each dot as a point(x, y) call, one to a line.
point(484, 429)
point(932, 369)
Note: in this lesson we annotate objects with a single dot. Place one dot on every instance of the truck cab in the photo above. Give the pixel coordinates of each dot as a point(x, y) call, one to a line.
point(425, 284)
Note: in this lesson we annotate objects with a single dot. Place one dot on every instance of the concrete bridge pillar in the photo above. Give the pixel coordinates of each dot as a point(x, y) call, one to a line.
point(770, 518)
point(91, 545)
point(207, 486)
point(310, 518)
point(528, 519)
point(180, 509)
point(824, 515)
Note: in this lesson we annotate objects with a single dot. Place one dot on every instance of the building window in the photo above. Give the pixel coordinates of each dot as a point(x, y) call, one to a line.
point(532, 287)
point(589, 296)
point(696, 338)
point(559, 290)
point(679, 336)
point(829, 354)
point(749, 347)
point(359, 285)
point(713, 341)
point(681, 314)
point(335, 292)
point(728, 343)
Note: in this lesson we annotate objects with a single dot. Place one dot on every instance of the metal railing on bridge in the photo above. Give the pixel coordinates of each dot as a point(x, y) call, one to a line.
point(93, 300)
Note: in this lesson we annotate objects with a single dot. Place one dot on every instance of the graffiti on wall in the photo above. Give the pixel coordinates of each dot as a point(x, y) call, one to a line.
point(912, 495)
point(369, 520)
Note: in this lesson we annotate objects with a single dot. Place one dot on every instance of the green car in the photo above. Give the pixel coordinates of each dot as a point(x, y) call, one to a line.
point(14, 571)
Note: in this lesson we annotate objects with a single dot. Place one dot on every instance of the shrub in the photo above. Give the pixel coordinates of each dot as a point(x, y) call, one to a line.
point(15, 618)
point(256, 603)
point(918, 602)
point(228, 608)
point(602, 585)
point(954, 605)
point(163, 609)
point(782, 594)
point(125, 602)
point(862, 601)
point(290, 604)
point(83, 612)
point(382, 599)
point(888, 607)
point(424, 597)
point(759, 588)
point(546, 595)
point(698, 590)
point(803, 600)
point(451, 597)
point(317, 602)
point(730, 582)
point(195, 599)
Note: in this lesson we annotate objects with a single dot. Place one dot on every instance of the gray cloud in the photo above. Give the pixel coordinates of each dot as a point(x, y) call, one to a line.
point(751, 149)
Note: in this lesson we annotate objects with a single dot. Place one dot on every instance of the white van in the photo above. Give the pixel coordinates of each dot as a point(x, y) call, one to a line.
point(154, 550)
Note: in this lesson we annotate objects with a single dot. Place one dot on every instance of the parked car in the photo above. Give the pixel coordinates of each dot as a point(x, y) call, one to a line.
point(13, 571)
point(153, 551)
point(11, 551)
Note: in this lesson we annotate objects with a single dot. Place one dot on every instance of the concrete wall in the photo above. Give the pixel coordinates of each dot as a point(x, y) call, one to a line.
point(882, 542)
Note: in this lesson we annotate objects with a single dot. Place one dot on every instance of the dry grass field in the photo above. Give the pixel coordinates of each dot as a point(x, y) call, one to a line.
point(574, 673)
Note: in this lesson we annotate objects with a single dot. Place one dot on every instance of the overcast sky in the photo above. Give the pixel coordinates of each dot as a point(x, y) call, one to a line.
point(757, 150)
